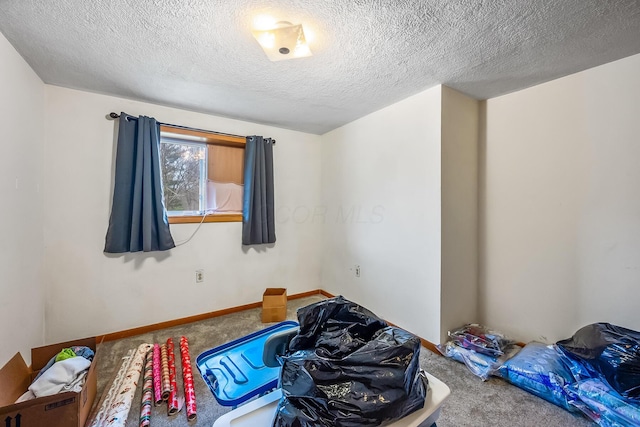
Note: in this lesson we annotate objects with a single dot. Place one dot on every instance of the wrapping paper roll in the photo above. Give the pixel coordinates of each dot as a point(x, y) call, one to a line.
point(147, 390)
point(187, 379)
point(164, 361)
point(157, 376)
point(100, 417)
point(120, 403)
point(174, 403)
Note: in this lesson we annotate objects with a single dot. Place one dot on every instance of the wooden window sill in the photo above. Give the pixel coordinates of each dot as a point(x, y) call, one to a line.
point(197, 219)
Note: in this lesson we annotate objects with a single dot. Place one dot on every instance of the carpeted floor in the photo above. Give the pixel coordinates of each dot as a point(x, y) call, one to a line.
point(472, 402)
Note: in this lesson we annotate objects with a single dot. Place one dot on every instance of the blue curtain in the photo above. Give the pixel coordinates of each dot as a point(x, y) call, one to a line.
point(258, 217)
point(138, 217)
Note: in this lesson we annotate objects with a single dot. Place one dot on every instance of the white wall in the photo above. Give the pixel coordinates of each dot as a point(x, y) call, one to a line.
point(21, 287)
point(90, 293)
point(381, 204)
point(459, 297)
point(561, 205)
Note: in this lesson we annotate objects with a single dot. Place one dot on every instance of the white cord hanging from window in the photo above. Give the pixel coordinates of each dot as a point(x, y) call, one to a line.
point(206, 213)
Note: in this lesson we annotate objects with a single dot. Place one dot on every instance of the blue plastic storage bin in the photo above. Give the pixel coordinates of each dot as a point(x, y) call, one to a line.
point(235, 372)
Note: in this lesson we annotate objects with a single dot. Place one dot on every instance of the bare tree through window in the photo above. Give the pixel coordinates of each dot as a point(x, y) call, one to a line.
point(182, 164)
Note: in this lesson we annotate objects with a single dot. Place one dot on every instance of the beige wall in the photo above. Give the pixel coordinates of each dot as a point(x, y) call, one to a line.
point(560, 204)
point(21, 284)
point(459, 296)
point(381, 198)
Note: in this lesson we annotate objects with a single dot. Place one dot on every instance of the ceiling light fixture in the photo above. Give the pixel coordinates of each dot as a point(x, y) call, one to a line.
point(285, 41)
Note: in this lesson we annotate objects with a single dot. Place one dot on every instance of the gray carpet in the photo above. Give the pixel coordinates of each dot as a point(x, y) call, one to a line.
point(472, 402)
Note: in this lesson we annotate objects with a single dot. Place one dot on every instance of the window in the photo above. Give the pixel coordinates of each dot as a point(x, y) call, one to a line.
point(202, 174)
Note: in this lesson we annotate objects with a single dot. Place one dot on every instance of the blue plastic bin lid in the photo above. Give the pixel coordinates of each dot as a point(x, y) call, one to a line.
point(235, 372)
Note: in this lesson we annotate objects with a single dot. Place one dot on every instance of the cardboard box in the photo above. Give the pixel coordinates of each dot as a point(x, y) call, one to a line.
point(274, 305)
point(67, 409)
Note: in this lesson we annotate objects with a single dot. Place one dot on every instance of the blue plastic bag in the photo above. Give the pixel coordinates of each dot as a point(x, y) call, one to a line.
point(603, 405)
point(609, 352)
point(540, 370)
point(479, 364)
point(578, 369)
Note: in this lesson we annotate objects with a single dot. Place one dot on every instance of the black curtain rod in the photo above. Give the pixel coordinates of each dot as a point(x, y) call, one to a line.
point(117, 116)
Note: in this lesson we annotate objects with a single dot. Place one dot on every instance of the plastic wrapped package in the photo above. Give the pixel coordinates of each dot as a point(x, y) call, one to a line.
point(480, 339)
point(578, 368)
point(540, 370)
point(479, 364)
point(609, 352)
point(346, 367)
point(603, 405)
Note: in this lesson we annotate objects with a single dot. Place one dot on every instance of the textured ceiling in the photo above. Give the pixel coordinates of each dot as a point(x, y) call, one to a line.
point(200, 54)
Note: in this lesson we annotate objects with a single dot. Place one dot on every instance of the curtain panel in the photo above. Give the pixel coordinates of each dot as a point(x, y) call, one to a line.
point(258, 217)
point(138, 219)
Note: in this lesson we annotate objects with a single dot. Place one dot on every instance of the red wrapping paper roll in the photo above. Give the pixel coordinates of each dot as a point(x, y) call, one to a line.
point(166, 384)
point(187, 379)
point(174, 405)
point(157, 375)
point(147, 390)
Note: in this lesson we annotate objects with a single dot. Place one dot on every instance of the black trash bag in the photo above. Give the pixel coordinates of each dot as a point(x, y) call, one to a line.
point(609, 352)
point(335, 327)
point(348, 368)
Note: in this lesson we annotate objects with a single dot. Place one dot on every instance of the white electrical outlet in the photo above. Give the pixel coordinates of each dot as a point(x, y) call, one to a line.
point(357, 271)
point(199, 276)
